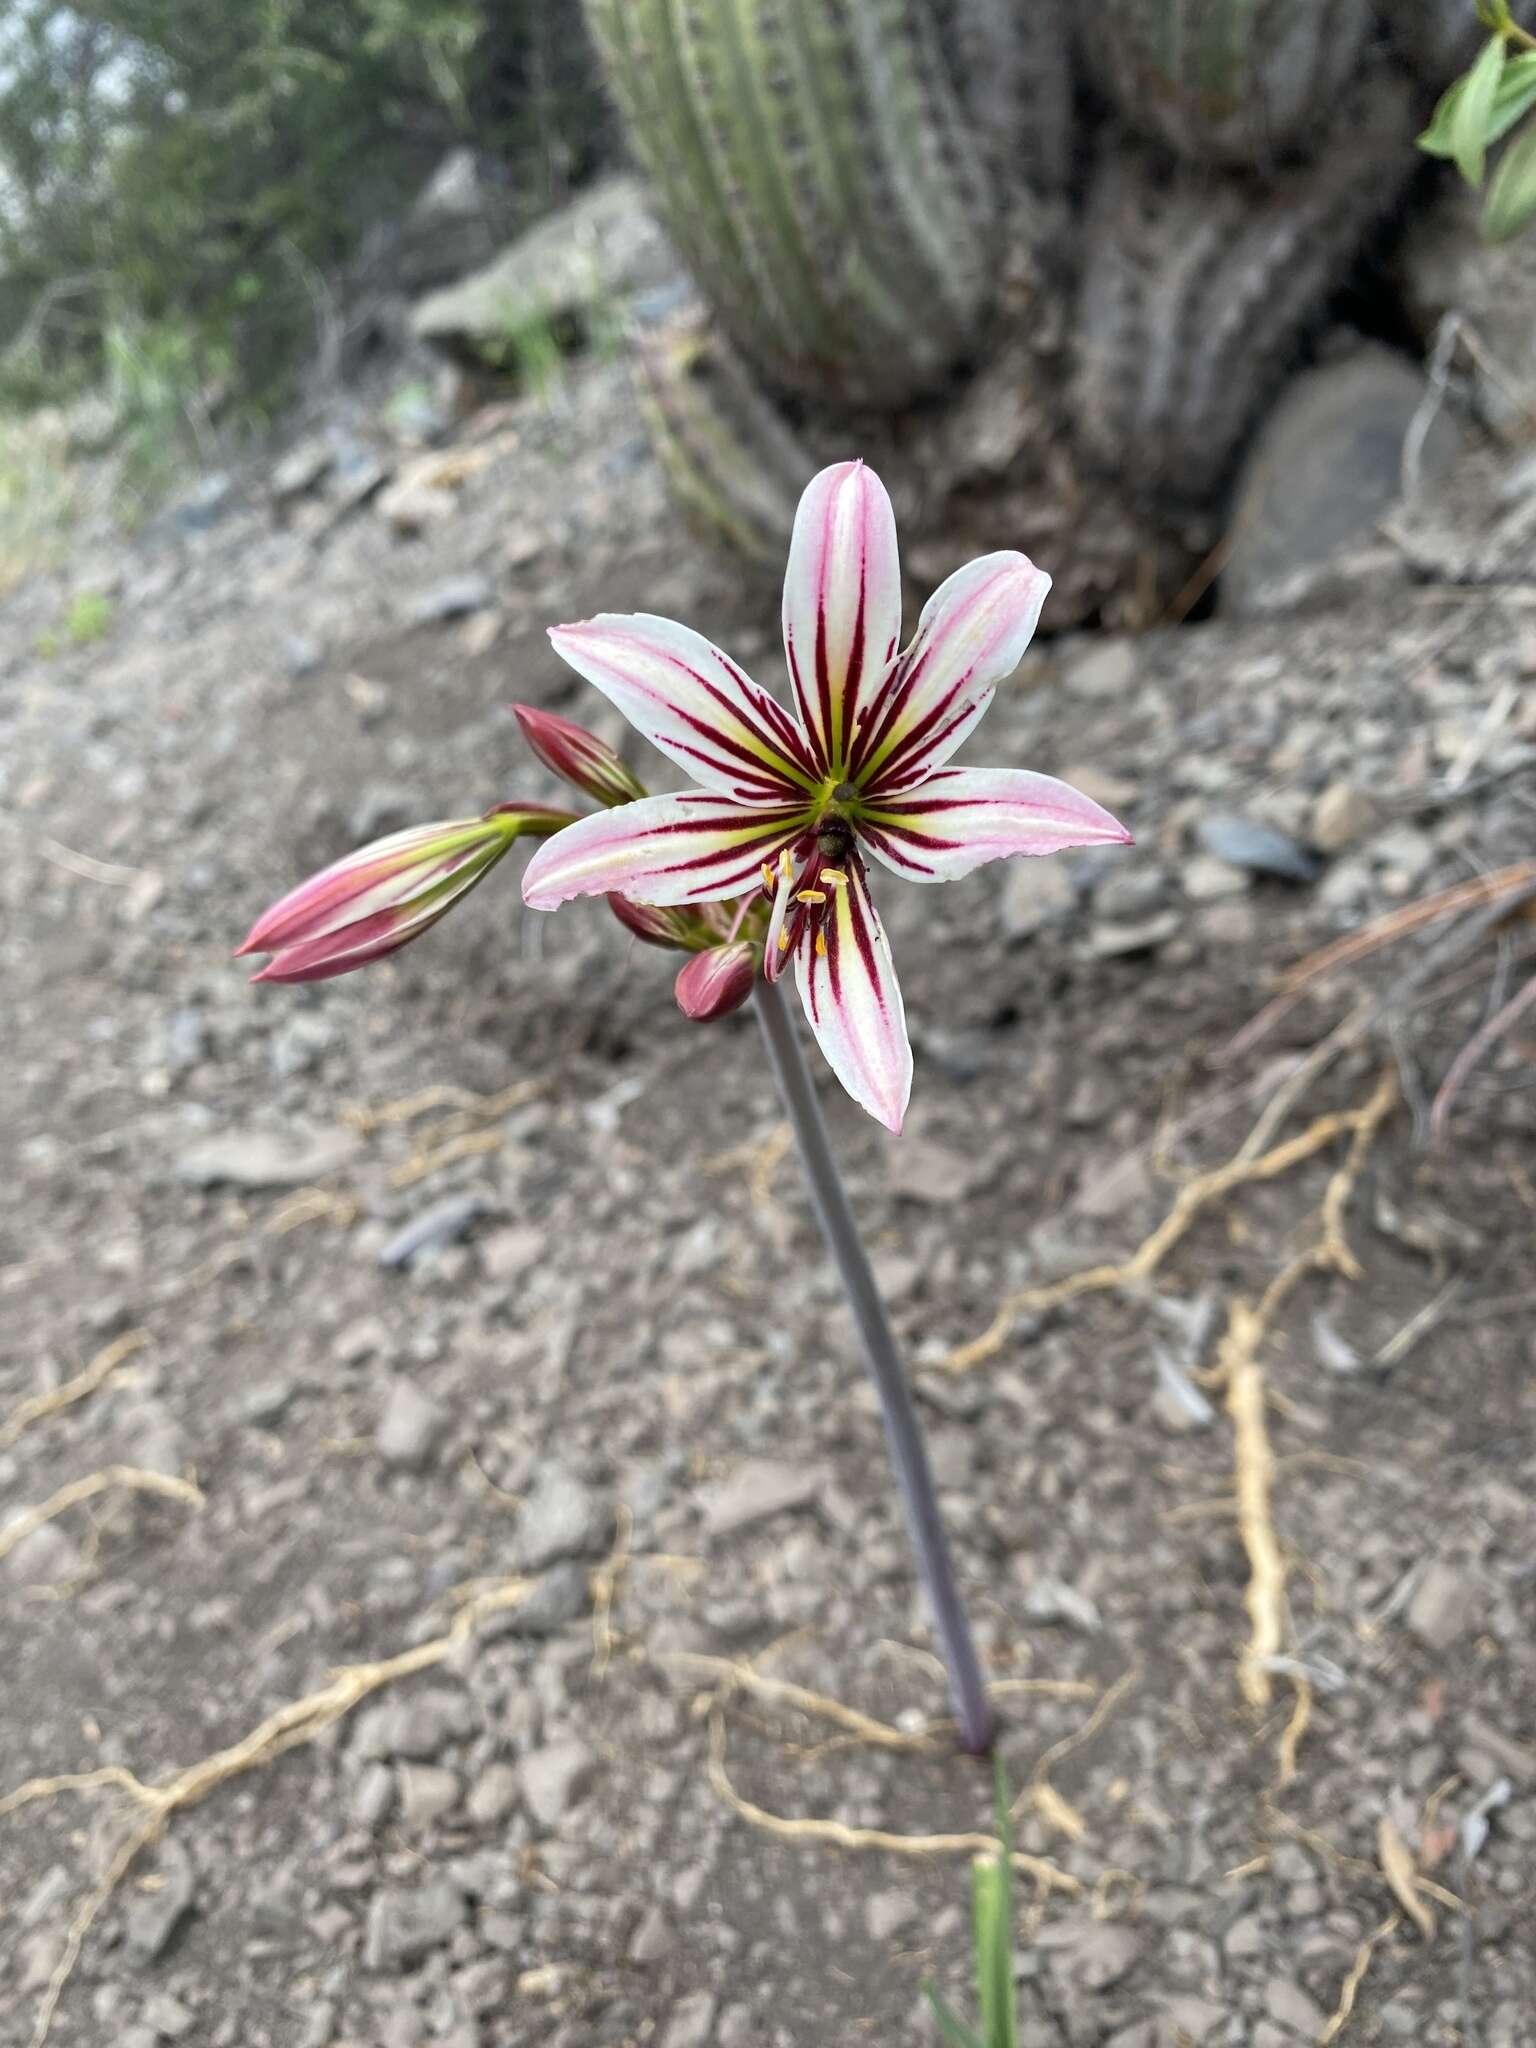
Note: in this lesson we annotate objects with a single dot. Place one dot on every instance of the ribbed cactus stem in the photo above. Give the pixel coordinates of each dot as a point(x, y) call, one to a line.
point(1197, 290)
point(733, 462)
point(819, 172)
point(1234, 81)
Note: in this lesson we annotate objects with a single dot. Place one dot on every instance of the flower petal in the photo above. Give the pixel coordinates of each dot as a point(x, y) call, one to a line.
point(689, 847)
point(693, 703)
point(973, 633)
point(961, 817)
point(853, 1002)
point(842, 604)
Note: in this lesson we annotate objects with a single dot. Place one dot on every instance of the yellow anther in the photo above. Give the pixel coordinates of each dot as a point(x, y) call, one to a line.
point(784, 942)
point(786, 865)
point(768, 877)
point(835, 876)
point(810, 895)
point(821, 945)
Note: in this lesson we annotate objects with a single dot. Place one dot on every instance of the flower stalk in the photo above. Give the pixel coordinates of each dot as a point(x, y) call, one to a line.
point(903, 1432)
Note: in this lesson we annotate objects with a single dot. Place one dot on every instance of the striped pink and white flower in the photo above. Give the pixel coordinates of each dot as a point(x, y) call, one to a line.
point(791, 802)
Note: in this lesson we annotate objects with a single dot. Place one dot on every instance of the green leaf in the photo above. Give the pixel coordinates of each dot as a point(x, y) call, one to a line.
point(1474, 110)
point(1516, 93)
point(1512, 191)
point(954, 2032)
point(1436, 139)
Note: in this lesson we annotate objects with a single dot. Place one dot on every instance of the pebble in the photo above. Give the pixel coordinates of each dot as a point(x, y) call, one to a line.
point(757, 1490)
point(1342, 816)
point(1113, 941)
point(41, 1558)
point(410, 1427)
point(1099, 666)
point(886, 1914)
point(417, 1725)
point(558, 1598)
point(373, 1795)
point(427, 1793)
point(1034, 893)
point(692, 2019)
point(561, 1517)
point(168, 2017)
point(404, 1926)
point(362, 1338)
point(1262, 849)
point(444, 1223)
point(287, 1158)
point(508, 1254)
point(493, 1795)
point(154, 1917)
point(1208, 880)
point(1120, 1187)
point(450, 599)
point(49, 1891)
point(653, 1938)
point(553, 1778)
point(1445, 1605)
point(1289, 2006)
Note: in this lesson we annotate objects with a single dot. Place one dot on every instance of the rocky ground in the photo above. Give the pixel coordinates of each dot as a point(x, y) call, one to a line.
point(479, 1303)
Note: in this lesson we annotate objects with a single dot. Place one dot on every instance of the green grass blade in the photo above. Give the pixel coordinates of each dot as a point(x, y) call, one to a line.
point(955, 2032)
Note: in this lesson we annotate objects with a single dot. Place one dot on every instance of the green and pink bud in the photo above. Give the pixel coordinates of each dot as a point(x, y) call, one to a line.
point(683, 930)
point(388, 893)
point(579, 757)
point(717, 982)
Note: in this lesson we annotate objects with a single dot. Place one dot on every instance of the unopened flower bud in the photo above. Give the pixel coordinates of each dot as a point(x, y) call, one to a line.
point(387, 893)
point(579, 757)
point(717, 982)
point(683, 929)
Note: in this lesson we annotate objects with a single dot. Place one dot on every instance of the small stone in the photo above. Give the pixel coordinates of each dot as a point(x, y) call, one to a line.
point(1208, 880)
point(922, 1171)
point(1100, 667)
point(1120, 1187)
point(1103, 1954)
point(266, 1402)
point(692, 2018)
point(1342, 816)
point(365, 1337)
point(562, 1517)
point(41, 1558)
point(559, 1597)
point(404, 1926)
point(1034, 893)
point(412, 503)
point(1055, 1600)
point(1445, 1604)
point(265, 1159)
point(48, 1892)
point(1289, 2006)
point(1259, 848)
point(886, 1914)
point(373, 1795)
point(1187, 2022)
point(653, 1938)
point(301, 655)
point(168, 2017)
point(452, 598)
point(1115, 941)
point(410, 1427)
point(443, 1223)
point(551, 1779)
point(305, 463)
point(1245, 1937)
point(756, 1491)
point(1131, 889)
point(1114, 792)
point(492, 1796)
point(508, 1254)
point(154, 1917)
point(427, 1793)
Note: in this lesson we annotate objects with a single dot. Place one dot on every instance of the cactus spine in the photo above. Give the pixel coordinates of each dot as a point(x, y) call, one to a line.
point(1226, 81)
point(819, 172)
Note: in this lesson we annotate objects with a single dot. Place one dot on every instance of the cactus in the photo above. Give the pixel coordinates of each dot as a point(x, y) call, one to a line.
point(820, 174)
point(1196, 292)
point(873, 193)
point(1226, 81)
point(733, 461)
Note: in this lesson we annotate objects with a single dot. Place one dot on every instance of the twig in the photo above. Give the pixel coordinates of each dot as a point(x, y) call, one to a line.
point(1349, 1990)
point(101, 1367)
point(1045, 1874)
point(130, 1477)
point(1487, 1035)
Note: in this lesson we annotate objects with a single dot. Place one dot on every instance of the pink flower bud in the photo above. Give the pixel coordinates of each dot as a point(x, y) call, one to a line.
point(385, 894)
point(717, 982)
point(578, 756)
point(683, 929)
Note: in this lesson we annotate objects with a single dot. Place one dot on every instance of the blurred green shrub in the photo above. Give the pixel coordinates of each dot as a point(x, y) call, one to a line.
point(183, 175)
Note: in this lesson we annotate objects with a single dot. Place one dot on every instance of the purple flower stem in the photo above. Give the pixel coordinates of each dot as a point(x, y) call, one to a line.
point(903, 1432)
